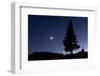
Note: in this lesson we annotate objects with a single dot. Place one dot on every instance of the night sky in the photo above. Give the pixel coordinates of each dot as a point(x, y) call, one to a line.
point(46, 33)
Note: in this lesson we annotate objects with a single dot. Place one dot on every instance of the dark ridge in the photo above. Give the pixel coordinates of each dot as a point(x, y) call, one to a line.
point(56, 56)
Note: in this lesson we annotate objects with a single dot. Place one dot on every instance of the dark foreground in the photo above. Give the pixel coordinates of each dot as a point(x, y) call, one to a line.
point(55, 56)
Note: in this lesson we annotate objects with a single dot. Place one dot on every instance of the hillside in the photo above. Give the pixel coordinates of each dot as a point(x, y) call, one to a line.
point(54, 56)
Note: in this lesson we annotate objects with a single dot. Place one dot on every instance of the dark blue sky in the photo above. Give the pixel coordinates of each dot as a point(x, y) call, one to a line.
point(42, 28)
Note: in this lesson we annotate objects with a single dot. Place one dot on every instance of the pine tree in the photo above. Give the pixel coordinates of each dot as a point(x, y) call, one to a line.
point(70, 40)
point(83, 50)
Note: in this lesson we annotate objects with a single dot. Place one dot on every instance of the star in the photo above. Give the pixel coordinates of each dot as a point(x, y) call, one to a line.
point(51, 38)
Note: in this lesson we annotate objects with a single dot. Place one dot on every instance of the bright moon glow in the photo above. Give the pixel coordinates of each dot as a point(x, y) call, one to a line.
point(51, 37)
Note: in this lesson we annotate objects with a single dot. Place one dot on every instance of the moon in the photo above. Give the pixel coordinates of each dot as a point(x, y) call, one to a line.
point(51, 38)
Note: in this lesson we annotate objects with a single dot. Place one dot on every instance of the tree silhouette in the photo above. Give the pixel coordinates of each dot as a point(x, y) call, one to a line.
point(83, 50)
point(70, 40)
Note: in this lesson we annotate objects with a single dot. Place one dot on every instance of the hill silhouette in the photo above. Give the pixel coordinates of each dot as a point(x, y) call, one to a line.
point(56, 56)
